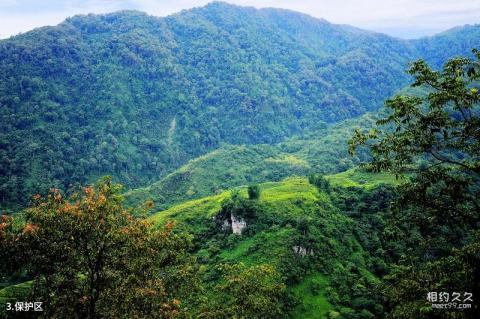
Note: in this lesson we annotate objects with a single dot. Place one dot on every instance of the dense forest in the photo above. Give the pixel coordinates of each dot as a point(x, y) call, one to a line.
point(136, 96)
point(230, 162)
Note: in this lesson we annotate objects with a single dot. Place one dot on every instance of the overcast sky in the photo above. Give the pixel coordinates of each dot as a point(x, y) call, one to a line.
point(403, 18)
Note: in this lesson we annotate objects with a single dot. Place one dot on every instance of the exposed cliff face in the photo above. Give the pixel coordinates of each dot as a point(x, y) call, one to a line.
point(238, 224)
point(302, 251)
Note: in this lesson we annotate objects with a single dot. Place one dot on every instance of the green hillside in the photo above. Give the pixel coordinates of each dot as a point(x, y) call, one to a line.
point(136, 96)
point(357, 178)
point(226, 167)
point(322, 151)
point(14, 292)
point(228, 162)
point(319, 280)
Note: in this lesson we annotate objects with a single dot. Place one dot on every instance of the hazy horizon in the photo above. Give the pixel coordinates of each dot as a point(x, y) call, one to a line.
point(404, 19)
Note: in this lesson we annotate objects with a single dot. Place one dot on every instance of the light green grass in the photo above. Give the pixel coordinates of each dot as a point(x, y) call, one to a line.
point(359, 178)
point(206, 206)
point(264, 247)
point(15, 292)
point(295, 188)
point(290, 188)
point(288, 159)
point(314, 303)
point(239, 251)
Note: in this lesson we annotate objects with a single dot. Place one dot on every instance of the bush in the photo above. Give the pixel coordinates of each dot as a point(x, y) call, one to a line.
point(253, 192)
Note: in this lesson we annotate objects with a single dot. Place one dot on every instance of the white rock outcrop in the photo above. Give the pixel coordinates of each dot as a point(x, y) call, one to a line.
point(302, 251)
point(238, 224)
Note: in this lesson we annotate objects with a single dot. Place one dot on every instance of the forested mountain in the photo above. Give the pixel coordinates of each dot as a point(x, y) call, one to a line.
point(321, 151)
point(263, 177)
point(438, 49)
point(136, 96)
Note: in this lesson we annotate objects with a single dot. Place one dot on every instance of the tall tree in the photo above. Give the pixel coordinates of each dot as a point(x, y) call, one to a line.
point(90, 258)
point(247, 292)
point(434, 137)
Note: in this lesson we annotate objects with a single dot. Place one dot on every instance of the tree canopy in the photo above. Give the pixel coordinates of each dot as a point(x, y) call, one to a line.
point(434, 138)
point(90, 258)
point(136, 96)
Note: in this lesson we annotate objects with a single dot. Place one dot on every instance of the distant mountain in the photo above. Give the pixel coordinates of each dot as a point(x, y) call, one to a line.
point(454, 42)
point(137, 96)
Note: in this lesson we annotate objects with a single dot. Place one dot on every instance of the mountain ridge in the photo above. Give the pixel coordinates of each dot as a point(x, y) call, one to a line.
point(347, 27)
point(97, 94)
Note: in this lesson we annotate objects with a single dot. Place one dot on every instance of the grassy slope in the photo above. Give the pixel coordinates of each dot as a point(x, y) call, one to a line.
point(285, 201)
point(314, 305)
point(227, 167)
point(324, 150)
point(267, 246)
point(13, 292)
point(272, 193)
point(358, 178)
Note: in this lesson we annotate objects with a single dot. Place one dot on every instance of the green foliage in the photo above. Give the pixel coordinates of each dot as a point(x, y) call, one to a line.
point(247, 292)
point(238, 206)
point(433, 225)
point(445, 45)
point(88, 257)
point(253, 192)
point(311, 291)
point(238, 96)
point(442, 125)
point(226, 167)
point(357, 177)
point(320, 182)
point(288, 215)
point(232, 166)
point(136, 96)
point(13, 293)
point(457, 271)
